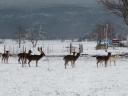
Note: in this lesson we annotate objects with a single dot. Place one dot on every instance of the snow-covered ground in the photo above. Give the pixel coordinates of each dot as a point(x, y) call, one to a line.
point(51, 79)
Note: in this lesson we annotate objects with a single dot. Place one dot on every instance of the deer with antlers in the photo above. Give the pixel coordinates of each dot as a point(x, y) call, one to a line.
point(71, 58)
point(103, 59)
point(35, 57)
point(5, 56)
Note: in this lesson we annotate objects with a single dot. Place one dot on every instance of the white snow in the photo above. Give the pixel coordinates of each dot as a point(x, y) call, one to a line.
point(51, 79)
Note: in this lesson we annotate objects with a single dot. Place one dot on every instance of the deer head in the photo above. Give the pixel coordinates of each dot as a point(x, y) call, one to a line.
point(40, 50)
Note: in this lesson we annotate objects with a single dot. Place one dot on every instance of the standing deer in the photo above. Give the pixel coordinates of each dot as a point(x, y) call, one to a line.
point(113, 59)
point(103, 59)
point(5, 56)
point(23, 57)
point(35, 57)
point(71, 58)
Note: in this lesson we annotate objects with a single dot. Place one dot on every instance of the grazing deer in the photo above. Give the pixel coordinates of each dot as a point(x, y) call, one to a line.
point(23, 57)
point(71, 58)
point(5, 56)
point(35, 57)
point(103, 59)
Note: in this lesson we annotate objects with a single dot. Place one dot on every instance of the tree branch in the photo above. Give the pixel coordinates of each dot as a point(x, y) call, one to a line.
point(118, 7)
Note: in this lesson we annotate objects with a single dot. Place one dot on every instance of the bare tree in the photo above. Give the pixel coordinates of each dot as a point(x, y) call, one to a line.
point(32, 36)
point(99, 32)
point(35, 33)
point(118, 7)
point(20, 34)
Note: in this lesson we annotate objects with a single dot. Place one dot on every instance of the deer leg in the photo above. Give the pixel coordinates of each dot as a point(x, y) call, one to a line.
point(72, 64)
point(22, 65)
point(110, 62)
point(114, 62)
point(2, 59)
point(22, 60)
point(105, 63)
point(29, 63)
point(25, 60)
point(65, 64)
point(7, 60)
point(97, 63)
point(19, 61)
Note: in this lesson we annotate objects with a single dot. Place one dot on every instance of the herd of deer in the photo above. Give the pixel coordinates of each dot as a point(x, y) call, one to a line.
point(28, 56)
point(24, 57)
point(100, 59)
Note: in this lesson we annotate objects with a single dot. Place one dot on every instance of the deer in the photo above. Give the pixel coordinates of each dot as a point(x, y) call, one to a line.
point(113, 59)
point(35, 57)
point(5, 56)
point(71, 58)
point(103, 59)
point(23, 57)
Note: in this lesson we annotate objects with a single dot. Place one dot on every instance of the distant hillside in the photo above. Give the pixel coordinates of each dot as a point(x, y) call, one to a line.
point(60, 22)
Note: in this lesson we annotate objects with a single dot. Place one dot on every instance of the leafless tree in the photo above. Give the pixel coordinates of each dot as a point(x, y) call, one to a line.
point(99, 32)
point(20, 34)
point(32, 36)
point(118, 7)
point(35, 33)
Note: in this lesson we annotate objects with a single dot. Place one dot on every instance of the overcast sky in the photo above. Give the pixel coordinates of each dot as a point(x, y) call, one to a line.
point(36, 3)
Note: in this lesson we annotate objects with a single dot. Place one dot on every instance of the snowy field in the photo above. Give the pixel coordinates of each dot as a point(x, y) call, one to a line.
point(51, 79)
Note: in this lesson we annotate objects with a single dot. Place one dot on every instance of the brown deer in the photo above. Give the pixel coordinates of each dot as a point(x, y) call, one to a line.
point(5, 56)
point(35, 57)
point(113, 59)
point(103, 59)
point(71, 58)
point(23, 57)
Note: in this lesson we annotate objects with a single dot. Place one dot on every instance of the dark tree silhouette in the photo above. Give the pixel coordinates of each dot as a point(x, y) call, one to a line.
point(118, 7)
